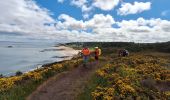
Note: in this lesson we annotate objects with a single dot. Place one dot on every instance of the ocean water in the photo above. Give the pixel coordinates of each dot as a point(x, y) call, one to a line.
point(25, 56)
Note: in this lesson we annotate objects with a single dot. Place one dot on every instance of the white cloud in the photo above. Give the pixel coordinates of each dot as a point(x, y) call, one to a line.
point(78, 3)
point(98, 21)
point(27, 19)
point(139, 30)
point(137, 7)
point(142, 30)
point(105, 4)
point(60, 1)
point(85, 8)
point(69, 22)
point(23, 16)
point(165, 13)
point(87, 11)
point(86, 16)
point(165, 25)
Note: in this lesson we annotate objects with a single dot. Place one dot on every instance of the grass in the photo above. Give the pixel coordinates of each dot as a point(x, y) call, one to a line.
point(135, 77)
point(85, 95)
point(20, 92)
point(21, 86)
point(126, 78)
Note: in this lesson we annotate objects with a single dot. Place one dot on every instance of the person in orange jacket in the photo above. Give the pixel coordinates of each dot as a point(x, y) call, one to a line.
point(85, 53)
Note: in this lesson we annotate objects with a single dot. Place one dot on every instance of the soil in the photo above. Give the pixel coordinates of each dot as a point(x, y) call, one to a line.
point(66, 85)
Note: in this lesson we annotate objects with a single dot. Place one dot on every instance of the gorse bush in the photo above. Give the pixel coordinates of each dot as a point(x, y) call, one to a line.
point(124, 78)
point(18, 73)
point(20, 86)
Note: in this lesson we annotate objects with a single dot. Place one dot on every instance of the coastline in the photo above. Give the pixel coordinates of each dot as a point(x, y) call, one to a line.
point(27, 82)
point(68, 51)
point(68, 54)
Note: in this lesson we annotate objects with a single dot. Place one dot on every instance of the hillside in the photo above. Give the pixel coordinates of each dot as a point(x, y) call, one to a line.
point(145, 74)
point(137, 77)
point(131, 46)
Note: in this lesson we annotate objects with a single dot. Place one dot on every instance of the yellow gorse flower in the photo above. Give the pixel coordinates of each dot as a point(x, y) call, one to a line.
point(123, 75)
point(7, 83)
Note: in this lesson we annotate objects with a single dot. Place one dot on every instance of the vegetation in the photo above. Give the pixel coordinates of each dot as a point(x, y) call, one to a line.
point(1, 76)
point(18, 73)
point(20, 86)
point(142, 75)
point(131, 46)
point(136, 77)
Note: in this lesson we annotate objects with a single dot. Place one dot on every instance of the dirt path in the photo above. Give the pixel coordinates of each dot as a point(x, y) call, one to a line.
point(65, 86)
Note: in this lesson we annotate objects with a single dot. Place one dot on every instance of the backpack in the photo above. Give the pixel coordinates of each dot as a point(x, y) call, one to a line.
point(100, 52)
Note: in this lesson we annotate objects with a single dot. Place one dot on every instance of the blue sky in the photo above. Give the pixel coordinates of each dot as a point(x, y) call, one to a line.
point(85, 20)
point(158, 7)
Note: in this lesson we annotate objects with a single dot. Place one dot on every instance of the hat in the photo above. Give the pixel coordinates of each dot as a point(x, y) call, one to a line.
point(96, 47)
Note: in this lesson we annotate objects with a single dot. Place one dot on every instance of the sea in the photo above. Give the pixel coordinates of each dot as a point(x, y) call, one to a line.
point(26, 56)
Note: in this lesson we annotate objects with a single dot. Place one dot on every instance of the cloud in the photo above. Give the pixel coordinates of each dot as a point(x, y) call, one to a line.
point(105, 4)
point(86, 16)
point(165, 25)
point(27, 20)
point(85, 8)
point(78, 3)
point(87, 11)
point(60, 1)
point(98, 21)
point(69, 23)
point(142, 30)
point(24, 16)
point(165, 13)
point(101, 29)
point(137, 7)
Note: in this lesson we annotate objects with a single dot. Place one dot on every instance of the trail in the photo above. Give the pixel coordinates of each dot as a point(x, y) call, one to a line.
point(65, 86)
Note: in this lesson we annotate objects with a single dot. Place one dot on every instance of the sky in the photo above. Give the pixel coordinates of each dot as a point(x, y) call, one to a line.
point(145, 21)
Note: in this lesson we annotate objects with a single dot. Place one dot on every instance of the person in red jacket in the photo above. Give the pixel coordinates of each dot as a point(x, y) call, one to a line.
point(96, 52)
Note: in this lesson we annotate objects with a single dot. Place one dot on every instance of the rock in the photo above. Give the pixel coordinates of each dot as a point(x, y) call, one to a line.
point(60, 56)
point(10, 46)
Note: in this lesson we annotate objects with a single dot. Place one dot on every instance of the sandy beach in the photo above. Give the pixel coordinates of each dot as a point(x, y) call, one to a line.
point(68, 52)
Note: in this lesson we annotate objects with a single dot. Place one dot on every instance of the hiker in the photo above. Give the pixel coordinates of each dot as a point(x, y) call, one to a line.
point(97, 53)
point(125, 53)
point(120, 52)
point(85, 54)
